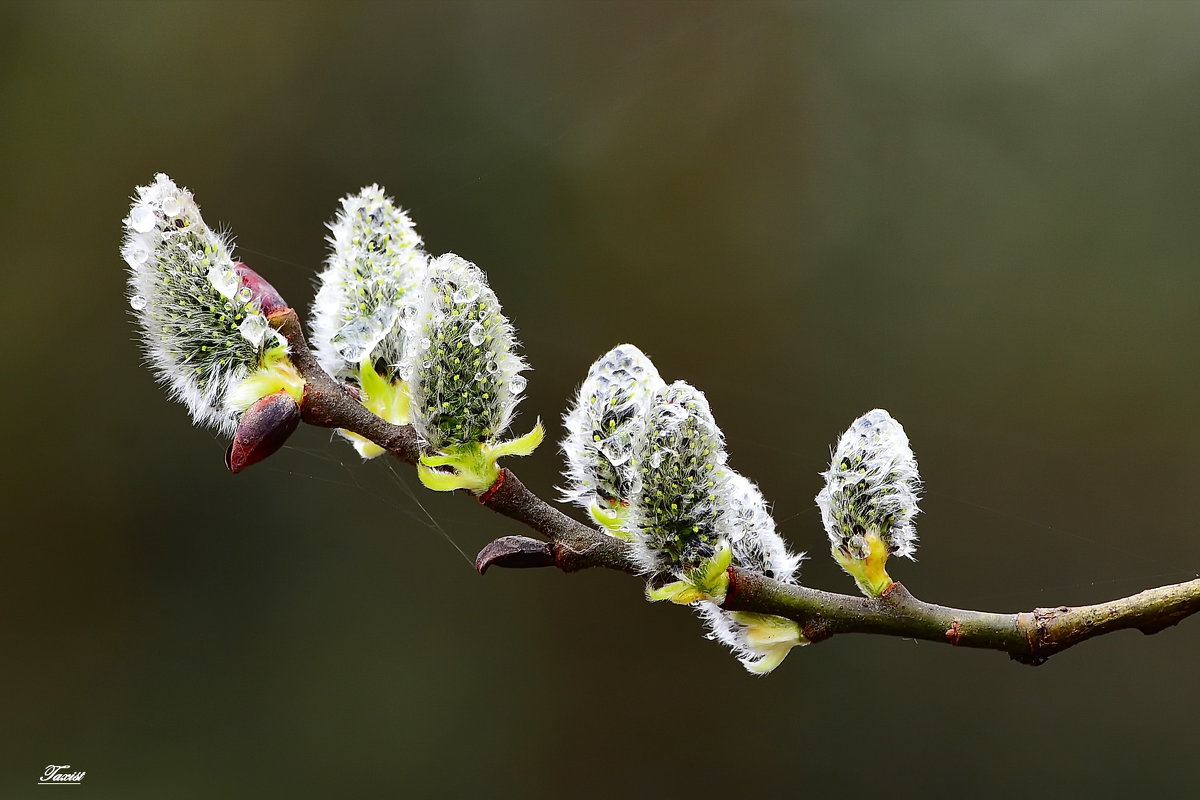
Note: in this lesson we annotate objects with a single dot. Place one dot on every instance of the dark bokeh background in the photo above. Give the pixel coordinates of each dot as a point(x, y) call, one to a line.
point(978, 215)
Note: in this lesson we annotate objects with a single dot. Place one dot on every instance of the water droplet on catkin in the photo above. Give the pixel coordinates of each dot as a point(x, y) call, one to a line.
point(141, 219)
point(224, 280)
point(253, 329)
point(466, 293)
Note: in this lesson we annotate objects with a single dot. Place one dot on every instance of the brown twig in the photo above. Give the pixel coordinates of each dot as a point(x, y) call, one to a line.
point(1029, 637)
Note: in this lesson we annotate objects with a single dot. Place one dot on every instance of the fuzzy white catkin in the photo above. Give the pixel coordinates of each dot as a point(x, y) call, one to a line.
point(466, 381)
point(202, 332)
point(679, 519)
point(605, 427)
point(758, 547)
point(872, 486)
point(759, 641)
point(756, 544)
point(367, 300)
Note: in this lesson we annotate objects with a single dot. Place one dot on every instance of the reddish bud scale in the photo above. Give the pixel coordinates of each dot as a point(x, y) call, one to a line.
point(262, 430)
point(269, 300)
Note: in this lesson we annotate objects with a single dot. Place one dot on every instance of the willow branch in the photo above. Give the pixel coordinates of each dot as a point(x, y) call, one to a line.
point(1029, 637)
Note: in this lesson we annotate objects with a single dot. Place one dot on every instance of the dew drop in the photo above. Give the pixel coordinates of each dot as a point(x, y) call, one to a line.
point(491, 366)
point(136, 256)
point(408, 316)
point(404, 371)
point(466, 293)
point(475, 335)
point(383, 321)
point(426, 343)
point(617, 449)
point(354, 340)
point(244, 294)
point(517, 384)
point(224, 280)
point(170, 206)
point(253, 329)
point(141, 219)
point(137, 302)
point(409, 350)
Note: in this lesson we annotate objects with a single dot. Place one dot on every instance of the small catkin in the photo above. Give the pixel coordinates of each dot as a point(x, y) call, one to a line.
point(759, 641)
point(203, 332)
point(872, 486)
point(870, 499)
point(605, 428)
point(366, 303)
point(679, 520)
point(466, 382)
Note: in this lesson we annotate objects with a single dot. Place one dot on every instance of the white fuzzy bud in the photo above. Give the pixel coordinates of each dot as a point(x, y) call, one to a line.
point(466, 383)
point(679, 518)
point(367, 302)
point(871, 489)
point(203, 332)
point(605, 428)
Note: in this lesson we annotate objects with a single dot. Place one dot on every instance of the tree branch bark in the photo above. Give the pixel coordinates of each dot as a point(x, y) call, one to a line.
point(1029, 637)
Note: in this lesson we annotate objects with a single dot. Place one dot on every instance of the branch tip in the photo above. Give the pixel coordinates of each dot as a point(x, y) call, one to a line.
point(515, 552)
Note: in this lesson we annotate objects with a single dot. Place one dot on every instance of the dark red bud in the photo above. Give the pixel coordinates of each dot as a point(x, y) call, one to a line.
point(263, 429)
point(268, 299)
point(515, 552)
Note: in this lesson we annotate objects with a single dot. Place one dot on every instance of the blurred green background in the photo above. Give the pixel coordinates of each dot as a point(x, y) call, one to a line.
point(980, 216)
